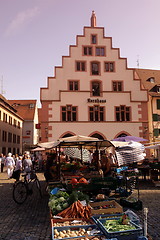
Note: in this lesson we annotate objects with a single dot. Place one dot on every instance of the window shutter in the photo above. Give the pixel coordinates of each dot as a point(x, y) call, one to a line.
point(158, 103)
point(155, 117)
point(156, 132)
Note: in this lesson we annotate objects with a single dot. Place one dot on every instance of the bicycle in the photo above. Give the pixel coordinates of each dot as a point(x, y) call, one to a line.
point(23, 188)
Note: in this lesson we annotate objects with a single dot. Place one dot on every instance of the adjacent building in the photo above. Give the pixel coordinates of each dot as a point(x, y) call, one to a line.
point(94, 93)
point(150, 80)
point(10, 128)
point(28, 110)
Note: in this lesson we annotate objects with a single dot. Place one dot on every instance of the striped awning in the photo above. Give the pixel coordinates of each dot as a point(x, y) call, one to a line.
point(82, 154)
point(133, 152)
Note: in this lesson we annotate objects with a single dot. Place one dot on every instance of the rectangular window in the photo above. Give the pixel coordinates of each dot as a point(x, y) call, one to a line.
point(158, 103)
point(94, 39)
point(100, 51)
point(14, 138)
point(96, 113)
point(109, 66)
point(122, 113)
point(87, 51)
point(4, 136)
point(10, 120)
point(69, 113)
point(96, 88)
point(117, 86)
point(4, 117)
point(80, 66)
point(9, 137)
point(18, 124)
point(73, 85)
point(15, 122)
point(95, 68)
point(18, 139)
point(28, 132)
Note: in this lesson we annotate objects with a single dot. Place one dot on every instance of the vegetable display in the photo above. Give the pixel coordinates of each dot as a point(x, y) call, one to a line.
point(116, 225)
point(70, 223)
point(68, 233)
point(76, 210)
point(58, 201)
point(78, 195)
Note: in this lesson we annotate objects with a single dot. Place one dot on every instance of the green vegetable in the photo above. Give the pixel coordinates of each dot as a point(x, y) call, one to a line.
point(116, 226)
point(78, 195)
point(61, 199)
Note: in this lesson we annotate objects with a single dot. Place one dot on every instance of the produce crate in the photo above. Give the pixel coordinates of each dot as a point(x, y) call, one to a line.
point(107, 216)
point(114, 215)
point(133, 234)
point(71, 222)
point(88, 233)
point(111, 207)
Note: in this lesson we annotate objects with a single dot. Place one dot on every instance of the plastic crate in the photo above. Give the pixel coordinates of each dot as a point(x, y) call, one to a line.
point(76, 228)
point(121, 235)
point(106, 216)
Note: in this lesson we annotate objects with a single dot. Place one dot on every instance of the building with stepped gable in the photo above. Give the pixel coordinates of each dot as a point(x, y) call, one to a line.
point(93, 93)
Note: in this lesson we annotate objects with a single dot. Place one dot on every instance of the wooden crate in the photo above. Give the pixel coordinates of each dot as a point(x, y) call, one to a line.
point(111, 207)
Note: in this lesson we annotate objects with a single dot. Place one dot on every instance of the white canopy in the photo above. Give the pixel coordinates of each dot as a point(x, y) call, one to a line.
point(38, 149)
point(77, 140)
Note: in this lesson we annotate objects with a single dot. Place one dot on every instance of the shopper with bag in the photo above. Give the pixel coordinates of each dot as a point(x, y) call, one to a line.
point(18, 168)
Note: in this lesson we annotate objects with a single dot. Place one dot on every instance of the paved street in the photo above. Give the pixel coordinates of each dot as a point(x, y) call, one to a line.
point(30, 221)
point(150, 196)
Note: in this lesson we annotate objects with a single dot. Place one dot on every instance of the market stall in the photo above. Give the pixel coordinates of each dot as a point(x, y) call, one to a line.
point(87, 206)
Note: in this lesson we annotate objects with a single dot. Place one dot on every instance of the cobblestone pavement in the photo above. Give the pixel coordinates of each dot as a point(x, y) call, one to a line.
point(150, 196)
point(31, 220)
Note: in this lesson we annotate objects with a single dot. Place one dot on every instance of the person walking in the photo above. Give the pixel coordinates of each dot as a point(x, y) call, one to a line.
point(10, 164)
point(18, 168)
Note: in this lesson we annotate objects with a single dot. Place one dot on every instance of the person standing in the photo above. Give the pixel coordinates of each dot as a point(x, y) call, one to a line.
point(27, 164)
point(3, 158)
point(10, 164)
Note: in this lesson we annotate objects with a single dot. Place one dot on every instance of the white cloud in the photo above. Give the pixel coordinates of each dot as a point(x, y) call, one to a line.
point(21, 20)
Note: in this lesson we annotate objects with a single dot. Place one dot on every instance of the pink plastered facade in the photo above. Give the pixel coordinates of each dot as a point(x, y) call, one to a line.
point(93, 93)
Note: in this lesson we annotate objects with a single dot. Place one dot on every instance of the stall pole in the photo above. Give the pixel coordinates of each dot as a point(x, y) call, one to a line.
point(145, 221)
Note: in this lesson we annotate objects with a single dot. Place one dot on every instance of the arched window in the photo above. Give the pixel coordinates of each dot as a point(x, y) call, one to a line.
point(97, 135)
point(68, 135)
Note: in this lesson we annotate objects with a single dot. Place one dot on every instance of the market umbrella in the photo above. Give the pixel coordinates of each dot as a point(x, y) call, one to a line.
point(38, 149)
point(48, 145)
point(130, 138)
point(133, 152)
point(76, 153)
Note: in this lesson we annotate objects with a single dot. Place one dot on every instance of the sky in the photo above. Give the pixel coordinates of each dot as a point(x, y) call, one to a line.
point(35, 34)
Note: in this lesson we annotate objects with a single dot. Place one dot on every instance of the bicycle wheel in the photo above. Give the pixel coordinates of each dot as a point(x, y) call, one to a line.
point(20, 192)
point(38, 187)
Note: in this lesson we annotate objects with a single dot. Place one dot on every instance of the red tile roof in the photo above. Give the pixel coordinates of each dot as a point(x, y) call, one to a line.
point(25, 108)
